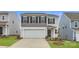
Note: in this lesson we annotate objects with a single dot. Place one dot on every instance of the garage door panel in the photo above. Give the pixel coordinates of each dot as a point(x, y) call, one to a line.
point(34, 33)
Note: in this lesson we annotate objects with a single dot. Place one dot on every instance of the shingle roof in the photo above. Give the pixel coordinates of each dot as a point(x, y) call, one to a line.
point(38, 14)
point(72, 15)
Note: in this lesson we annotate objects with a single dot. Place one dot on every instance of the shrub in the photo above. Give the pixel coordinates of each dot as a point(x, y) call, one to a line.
point(18, 37)
point(57, 39)
point(54, 39)
point(48, 38)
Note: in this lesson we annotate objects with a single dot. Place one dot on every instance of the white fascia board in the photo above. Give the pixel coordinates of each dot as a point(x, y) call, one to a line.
point(33, 27)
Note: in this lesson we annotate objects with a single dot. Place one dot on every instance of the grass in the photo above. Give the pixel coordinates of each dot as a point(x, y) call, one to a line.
point(63, 44)
point(7, 41)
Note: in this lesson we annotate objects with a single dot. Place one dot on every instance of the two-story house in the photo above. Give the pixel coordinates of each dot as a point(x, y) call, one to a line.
point(69, 26)
point(38, 25)
point(8, 23)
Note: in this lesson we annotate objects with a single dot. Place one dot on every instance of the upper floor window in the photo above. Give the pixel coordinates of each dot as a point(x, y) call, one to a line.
point(28, 19)
point(21, 19)
point(45, 19)
point(65, 27)
point(75, 24)
point(24, 19)
point(33, 19)
point(12, 22)
point(2, 17)
point(51, 21)
point(36, 19)
point(42, 19)
point(39, 19)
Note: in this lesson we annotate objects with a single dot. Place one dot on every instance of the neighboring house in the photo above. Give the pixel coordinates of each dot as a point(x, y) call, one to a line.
point(39, 25)
point(8, 23)
point(69, 26)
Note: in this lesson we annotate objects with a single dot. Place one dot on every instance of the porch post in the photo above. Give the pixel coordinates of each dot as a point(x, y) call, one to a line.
point(74, 35)
point(6, 32)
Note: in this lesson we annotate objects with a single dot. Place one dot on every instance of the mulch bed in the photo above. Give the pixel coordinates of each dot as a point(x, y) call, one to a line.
point(57, 42)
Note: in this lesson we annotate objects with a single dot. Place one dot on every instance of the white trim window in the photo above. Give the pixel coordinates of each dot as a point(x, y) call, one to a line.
point(75, 24)
point(3, 17)
point(37, 19)
point(33, 19)
point(42, 19)
point(24, 19)
point(27, 18)
point(51, 20)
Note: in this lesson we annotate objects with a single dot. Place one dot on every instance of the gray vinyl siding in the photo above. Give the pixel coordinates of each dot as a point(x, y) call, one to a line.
point(65, 30)
point(13, 25)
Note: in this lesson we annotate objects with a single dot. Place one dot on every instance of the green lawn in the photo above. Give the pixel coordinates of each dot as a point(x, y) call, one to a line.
point(7, 41)
point(63, 44)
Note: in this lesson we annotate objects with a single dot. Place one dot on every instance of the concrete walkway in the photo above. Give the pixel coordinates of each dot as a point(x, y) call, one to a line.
point(31, 43)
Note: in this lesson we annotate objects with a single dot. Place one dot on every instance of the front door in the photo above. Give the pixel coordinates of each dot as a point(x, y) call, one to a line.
point(49, 33)
point(0, 30)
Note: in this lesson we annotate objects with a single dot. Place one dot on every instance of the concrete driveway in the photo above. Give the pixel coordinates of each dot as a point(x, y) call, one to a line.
point(3, 46)
point(31, 43)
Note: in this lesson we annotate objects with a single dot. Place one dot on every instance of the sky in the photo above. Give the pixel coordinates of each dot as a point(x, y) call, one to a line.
point(47, 12)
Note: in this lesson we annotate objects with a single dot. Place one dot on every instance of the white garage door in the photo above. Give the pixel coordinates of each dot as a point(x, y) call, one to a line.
point(77, 35)
point(34, 33)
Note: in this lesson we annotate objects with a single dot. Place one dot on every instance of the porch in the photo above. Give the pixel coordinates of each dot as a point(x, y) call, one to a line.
point(52, 31)
point(3, 28)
